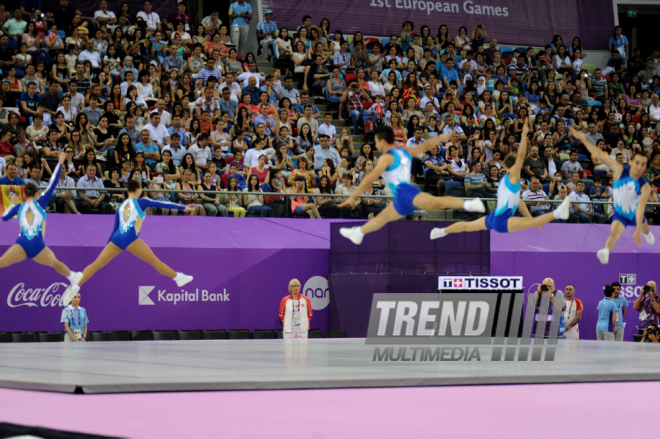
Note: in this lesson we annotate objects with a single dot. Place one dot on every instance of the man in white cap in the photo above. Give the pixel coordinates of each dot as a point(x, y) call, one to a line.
point(266, 31)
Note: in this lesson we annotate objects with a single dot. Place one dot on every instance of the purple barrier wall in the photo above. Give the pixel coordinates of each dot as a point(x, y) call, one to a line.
point(568, 255)
point(398, 258)
point(242, 268)
point(513, 22)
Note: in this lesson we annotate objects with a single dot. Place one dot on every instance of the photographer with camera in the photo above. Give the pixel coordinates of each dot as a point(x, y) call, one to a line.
point(648, 305)
point(650, 334)
point(547, 287)
point(607, 316)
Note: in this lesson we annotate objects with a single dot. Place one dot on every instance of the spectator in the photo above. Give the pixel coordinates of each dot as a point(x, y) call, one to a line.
point(104, 17)
point(535, 192)
point(607, 316)
point(157, 132)
point(584, 211)
point(150, 150)
point(648, 305)
point(476, 183)
point(152, 19)
point(622, 307)
point(295, 313)
point(352, 100)
point(75, 321)
point(15, 27)
point(535, 166)
point(211, 23)
point(90, 197)
point(599, 85)
point(240, 14)
point(572, 311)
point(266, 31)
point(571, 166)
point(324, 151)
point(11, 179)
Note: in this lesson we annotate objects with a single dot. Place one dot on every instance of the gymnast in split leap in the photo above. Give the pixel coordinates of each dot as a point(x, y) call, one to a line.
point(395, 166)
point(508, 198)
point(631, 192)
point(32, 219)
point(126, 236)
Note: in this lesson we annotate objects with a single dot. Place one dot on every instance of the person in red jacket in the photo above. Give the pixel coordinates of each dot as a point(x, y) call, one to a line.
point(6, 148)
point(295, 313)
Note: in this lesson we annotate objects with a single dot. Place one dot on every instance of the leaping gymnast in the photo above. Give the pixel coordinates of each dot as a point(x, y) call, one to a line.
point(32, 219)
point(126, 236)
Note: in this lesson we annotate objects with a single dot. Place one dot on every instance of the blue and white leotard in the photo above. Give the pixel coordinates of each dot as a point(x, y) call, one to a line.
point(627, 193)
point(397, 178)
point(129, 217)
point(508, 197)
point(31, 237)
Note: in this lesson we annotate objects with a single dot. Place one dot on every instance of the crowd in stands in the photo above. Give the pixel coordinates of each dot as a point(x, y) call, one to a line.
point(180, 105)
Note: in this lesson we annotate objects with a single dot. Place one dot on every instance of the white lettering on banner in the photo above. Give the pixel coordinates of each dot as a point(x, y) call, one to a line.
point(20, 296)
point(197, 296)
point(453, 8)
point(316, 289)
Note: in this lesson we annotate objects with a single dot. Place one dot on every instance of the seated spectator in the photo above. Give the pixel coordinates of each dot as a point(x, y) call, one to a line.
point(91, 197)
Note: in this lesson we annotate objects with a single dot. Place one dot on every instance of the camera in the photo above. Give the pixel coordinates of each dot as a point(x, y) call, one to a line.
point(651, 330)
point(544, 288)
point(647, 289)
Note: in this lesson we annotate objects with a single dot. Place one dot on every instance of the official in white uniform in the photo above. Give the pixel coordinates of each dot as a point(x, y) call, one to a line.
point(295, 313)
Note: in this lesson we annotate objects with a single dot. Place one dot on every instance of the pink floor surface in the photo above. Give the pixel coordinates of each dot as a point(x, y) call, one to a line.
point(511, 411)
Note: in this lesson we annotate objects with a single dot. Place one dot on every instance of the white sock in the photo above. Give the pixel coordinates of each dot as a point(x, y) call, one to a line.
point(71, 276)
point(556, 214)
point(646, 234)
point(466, 203)
point(358, 232)
point(76, 288)
point(178, 277)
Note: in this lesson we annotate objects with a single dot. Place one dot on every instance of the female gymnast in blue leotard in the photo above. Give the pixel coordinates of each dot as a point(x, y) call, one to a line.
point(32, 219)
point(126, 236)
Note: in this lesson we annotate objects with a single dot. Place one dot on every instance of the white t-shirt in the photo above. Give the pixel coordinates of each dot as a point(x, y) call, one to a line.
point(151, 18)
point(235, 90)
point(202, 155)
point(252, 157)
point(654, 111)
point(107, 14)
point(157, 134)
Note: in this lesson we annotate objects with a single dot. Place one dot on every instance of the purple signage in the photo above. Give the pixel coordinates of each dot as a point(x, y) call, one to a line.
point(242, 268)
point(524, 23)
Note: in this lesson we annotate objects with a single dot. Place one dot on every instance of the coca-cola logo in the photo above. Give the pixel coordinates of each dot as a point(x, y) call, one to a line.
point(21, 296)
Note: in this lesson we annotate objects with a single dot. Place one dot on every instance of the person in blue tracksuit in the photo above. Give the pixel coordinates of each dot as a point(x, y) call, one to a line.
point(126, 236)
point(32, 219)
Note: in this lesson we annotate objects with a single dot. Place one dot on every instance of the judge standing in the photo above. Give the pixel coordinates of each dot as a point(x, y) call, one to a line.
point(295, 313)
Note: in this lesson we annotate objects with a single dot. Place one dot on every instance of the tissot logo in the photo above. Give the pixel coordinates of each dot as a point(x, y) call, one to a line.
point(479, 283)
point(184, 296)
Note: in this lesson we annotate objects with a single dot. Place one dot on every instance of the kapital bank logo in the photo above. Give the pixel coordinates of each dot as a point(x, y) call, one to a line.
point(184, 296)
point(30, 297)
